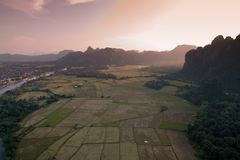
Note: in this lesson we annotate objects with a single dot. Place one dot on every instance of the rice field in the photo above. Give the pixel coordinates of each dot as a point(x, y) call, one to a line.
point(108, 120)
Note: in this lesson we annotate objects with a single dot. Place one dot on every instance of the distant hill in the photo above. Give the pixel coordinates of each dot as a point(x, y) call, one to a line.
point(113, 56)
point(38, 58)
point(220, 61)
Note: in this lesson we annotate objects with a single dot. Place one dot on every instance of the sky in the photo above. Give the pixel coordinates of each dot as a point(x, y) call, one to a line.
point(49, 26)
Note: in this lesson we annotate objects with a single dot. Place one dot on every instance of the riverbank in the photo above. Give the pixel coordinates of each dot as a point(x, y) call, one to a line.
point(20, 83)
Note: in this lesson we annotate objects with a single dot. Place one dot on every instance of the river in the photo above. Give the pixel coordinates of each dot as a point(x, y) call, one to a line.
point(11, 87)
point(19, 84)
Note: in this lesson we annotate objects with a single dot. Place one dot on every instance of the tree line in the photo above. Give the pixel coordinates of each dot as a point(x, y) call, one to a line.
point(216, 130)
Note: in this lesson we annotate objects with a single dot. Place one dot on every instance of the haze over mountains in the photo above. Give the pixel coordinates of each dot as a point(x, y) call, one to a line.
point(113, 56)
point(38, 58)
point(106, 56)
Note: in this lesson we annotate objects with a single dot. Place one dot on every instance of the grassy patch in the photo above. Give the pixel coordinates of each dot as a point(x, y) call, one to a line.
point(118, 101)
point(173, 126)
point(107, 124)
point(164, 140)
point(179, 102)
point(54, 118)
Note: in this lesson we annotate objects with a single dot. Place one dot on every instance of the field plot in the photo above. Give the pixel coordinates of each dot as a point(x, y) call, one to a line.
point(58, 131)
point(95, 135)
point(146, 152)
point(54, 118)
point(128, 151)
point(110, 152)
point(116, 119)
point(146, 136)
point(126, 134)
point(164, 140)
point(81, 118)
point(164, 153)
point(78, 138)
point(30, 149)
point(111, 135)
point(53, 149)
point(41, 114)
point(66, 152)
point(89, 152)
point(40, 132)
point(69, 85)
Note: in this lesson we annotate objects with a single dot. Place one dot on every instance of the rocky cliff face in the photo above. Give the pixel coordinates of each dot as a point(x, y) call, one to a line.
point(220, 60)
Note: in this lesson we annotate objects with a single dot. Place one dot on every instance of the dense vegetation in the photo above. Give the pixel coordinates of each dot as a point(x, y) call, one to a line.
point(216, 130)
point(11, 113)
point(156, 84)
point(209, 91)
point(89, 73)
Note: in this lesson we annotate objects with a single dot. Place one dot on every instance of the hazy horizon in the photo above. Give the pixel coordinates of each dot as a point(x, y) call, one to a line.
point(83, 50)
point(49, 26)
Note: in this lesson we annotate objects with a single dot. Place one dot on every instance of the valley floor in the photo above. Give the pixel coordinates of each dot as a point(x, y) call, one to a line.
point(108, 120)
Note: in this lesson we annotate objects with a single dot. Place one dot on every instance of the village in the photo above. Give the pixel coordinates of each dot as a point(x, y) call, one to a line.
point(13, 74)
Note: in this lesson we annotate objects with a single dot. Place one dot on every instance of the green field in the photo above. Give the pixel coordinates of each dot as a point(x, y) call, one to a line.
point(173, 126)
point(178, 102)
point(164, 140)
point(54, 118)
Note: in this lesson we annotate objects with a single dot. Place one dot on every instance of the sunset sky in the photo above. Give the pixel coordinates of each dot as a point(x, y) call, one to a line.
point(48, 26)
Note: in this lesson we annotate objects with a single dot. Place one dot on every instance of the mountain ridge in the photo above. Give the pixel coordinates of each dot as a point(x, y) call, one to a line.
point(8, 57)
point(116, 56)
